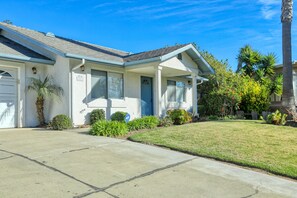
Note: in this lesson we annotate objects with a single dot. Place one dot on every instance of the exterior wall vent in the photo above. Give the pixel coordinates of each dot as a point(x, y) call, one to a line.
point(50, 34)
point(180, 56)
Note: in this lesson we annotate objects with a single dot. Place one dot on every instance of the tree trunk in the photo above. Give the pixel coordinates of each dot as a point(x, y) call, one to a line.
point(288, 100)
point(40, 106)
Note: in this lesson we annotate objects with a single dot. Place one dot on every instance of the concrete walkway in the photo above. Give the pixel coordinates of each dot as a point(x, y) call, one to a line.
point(37, 163)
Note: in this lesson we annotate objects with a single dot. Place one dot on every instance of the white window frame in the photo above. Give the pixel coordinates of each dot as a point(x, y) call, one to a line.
point(185, 91)
point(107, 93)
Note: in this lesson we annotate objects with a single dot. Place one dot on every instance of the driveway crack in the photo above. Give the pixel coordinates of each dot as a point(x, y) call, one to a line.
point(52, 168)
point(251, 195)
point(135, 177)
point(6, 157)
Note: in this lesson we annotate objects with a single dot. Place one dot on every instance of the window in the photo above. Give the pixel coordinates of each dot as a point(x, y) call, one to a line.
point(106, 85)
point(176, 91)
point(115, 85)
point(4, 73)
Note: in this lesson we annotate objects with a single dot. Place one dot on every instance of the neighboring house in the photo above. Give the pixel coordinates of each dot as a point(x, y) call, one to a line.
point(276, 100)
point(93, 77)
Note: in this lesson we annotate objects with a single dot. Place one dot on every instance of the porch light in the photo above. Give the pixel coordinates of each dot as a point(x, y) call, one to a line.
point(34, 70)
point(82, 68)
point(189, 82)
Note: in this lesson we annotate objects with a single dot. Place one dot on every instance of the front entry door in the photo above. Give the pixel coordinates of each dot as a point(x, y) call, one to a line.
point(146, 96)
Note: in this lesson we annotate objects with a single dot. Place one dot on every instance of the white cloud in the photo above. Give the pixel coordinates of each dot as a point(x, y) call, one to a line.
point(270, 8)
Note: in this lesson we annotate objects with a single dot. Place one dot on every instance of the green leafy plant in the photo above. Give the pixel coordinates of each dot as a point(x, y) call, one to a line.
point(60, 122)
point(213, 117)
point(109, 128)
point(165, 122)
point(96, 115)
point(276, 118)
point(147, 122)
point(45, 89)
point(179, 116)
point(119, 116)
point(255, 97)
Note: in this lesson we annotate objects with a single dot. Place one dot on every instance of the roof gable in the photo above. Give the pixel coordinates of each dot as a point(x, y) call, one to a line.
point(152, 53)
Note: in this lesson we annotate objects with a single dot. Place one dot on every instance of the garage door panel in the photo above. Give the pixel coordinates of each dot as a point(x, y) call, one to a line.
point(7, 113)
point(8, 99)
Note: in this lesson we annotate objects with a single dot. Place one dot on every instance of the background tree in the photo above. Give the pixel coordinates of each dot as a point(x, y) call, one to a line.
point(7, 21)
point(288, 101)
point(45, 89)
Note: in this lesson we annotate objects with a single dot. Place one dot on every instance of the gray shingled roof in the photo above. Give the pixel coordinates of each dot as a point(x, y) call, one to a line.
point(152, 53)
point(10, 47)
point(71, 46)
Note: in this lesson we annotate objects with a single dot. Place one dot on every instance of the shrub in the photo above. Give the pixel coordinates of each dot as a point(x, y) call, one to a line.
point(96, 115)
point(165, 122)
point(276, 118)
point(119, 116)
point(147, 122)
point(255, 97)
point(61, 122)
point(213, 117)
point(179, 116)
point(109, 128)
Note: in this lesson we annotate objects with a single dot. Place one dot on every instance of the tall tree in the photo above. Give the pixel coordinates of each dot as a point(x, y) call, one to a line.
point(45, 89)
point(288, 101)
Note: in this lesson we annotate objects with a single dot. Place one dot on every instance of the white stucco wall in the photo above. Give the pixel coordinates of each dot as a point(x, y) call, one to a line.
point(83, 104)
point(52, 107)
point(80, 101)
point(295, 84)
point(31, 118)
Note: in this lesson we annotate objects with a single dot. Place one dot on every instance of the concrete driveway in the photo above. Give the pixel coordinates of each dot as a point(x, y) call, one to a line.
point(37, 163)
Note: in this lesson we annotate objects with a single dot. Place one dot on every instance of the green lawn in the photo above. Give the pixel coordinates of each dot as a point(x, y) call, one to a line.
point(249, 143)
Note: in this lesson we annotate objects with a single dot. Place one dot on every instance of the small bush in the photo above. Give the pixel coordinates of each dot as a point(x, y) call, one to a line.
point(179, 116)
point(165, 122)
point(147, 122)
point(213, 117)
point(276, 118)
point(61, 122)
point(119, 116)
point(109, 128)
point(96, 115)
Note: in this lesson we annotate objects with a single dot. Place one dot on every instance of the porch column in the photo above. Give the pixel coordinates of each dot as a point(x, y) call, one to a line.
point(194, 94)
point(158, 83)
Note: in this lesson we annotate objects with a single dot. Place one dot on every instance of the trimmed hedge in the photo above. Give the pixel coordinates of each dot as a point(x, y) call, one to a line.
point(96, 115)
point(147, 122)
point(61, 122)
point(109, 128)
point(119, 116)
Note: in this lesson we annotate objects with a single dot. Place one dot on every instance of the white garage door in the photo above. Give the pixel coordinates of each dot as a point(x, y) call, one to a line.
point(8, 98)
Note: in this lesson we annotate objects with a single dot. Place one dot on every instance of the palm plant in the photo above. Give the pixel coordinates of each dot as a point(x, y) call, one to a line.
point(267, 63)
point(248, 59)
point(288, 100)
point(44, 89)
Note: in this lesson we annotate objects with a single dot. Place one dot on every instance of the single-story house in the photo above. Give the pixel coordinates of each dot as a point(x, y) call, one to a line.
point(93, 77)
point(275, 99)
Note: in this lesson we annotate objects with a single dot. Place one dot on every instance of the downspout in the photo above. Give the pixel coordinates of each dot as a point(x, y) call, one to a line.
point(83, 61)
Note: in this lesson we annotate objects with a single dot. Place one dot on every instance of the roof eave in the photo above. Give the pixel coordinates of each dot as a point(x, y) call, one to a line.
point(137, 62)
point(26, 59)
point(31, 40)
point(98, 60)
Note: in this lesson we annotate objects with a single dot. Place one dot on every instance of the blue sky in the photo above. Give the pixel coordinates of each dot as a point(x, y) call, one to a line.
point(218, 26)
